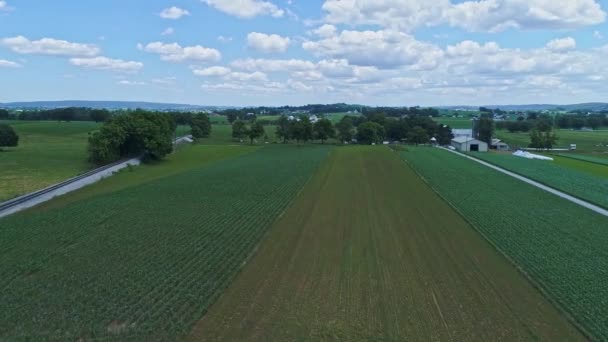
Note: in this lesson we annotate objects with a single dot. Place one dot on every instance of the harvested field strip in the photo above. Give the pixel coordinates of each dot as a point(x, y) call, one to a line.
point(368, 252)
point(143, 263)
point(560, 245)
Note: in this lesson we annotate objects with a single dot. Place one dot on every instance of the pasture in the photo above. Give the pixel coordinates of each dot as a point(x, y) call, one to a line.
point(559, 245)
point(144, 262)
point(48, 152)
point(594, 142)
point(368, 252)
point(457, 123)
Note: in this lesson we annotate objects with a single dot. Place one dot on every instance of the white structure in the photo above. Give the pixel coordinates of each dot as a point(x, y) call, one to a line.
point(528, 155)
point(499, 145)
point(458, 133)
point(465, 144)
point(314, 119)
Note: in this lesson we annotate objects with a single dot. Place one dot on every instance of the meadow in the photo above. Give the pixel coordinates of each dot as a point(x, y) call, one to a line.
point(457, 123)
point(571, 179)
point(145, 262)
point(368, 252)
point(594, 142)
point(48, 152)
point(559, 245)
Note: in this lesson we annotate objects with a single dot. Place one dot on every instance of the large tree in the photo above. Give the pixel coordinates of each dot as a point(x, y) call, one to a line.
point(543, 140)
point(323, 130)
point(346, 129)
point(201, 126)
point(370, 132)
point(255, 131)
point(418, 135)
point(301, 129)
point(239, 130)
point(484, 129)
point(282, 131)
point(8, 136)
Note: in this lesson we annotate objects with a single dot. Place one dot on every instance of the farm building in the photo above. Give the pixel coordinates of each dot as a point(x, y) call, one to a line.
point(499, 145)
point(458, 133)
point(467, 144)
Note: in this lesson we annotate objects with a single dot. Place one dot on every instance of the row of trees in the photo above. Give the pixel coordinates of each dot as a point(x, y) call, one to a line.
point(59, 114)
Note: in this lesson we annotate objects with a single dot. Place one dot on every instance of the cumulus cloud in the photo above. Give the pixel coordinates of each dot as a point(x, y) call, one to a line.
point(105, 63)
point(273, 65)
point(3, 5)
point(478, 15)
point(176, 53)
point(214, 71)
point(246, 8)
point(384, 48)
point(131, 83)
point(9, 64)
point(173, 13)
point(267, 43)
point(563, 44)
point(49, 46)
point(224, 39)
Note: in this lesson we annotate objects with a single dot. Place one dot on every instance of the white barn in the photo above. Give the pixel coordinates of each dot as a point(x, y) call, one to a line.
point(467, 144)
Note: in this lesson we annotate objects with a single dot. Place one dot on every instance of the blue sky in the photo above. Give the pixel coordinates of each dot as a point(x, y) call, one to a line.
point(276, 52)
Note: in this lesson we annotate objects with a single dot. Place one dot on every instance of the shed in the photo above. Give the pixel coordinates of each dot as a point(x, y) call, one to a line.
point(466, 144)
point(500, 145)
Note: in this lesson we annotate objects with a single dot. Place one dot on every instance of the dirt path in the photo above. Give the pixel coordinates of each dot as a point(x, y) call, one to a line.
point(543, 187)
point(369, 253)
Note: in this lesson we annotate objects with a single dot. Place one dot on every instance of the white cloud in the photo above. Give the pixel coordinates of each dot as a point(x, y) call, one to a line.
point(9, 64)
point(173, 13)
point(598, 35)
point(176, 53)
point(214, 71)
point(3, 5)
point(563, 44)
point(130, 83)
point(168, 81)
point(49, 46)
point(273, 65)
point(105, 63)
point(325, 31)
point(478, 15)
point(385, 49)
point(256, 76)
point(223, 39)
point(267, 43)
point(168, 31)
point(246, 8)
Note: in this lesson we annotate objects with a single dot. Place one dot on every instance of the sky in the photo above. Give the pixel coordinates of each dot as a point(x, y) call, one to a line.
point(295, 52)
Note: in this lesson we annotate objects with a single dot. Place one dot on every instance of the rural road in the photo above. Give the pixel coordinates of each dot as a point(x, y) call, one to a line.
point(563, 195)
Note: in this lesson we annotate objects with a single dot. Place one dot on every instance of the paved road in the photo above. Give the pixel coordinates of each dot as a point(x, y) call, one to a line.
point(563, 195)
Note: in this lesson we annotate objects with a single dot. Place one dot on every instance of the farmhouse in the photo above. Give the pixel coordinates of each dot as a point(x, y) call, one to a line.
point(499, 145)
point(467, 144)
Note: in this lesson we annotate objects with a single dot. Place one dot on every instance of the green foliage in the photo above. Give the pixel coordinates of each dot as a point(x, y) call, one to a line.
point(239, 129)
point(580, 184)
point(543, 139)
point(484, 128)
point(255, 131)
point(323, 130)
point(136, 133)
point(370, 132)
point(8, 136)
point(282, 130)
point(346, 129)
point(301, 129)
point(150, 259)
point(201, 126)
point(418, 135)
point(558, 244)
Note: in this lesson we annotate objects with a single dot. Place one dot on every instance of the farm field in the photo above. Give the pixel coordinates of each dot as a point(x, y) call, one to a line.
point(94, 269)
point(48, 152)
point(595, 166)
point(594, 142)
point(559, 245)
point(368, 252)
point(457, 123)
point(568, 179)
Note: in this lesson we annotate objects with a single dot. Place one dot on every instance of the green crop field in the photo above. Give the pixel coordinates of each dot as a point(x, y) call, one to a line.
point(587, 142)
point(48, 152)
point(369, 253)
point(143, 263)
point(459, 123)
point(561, 246)
point(568, 179)
point(596, 159)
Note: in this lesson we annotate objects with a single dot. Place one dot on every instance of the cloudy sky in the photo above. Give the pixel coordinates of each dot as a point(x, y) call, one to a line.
point(274, 52)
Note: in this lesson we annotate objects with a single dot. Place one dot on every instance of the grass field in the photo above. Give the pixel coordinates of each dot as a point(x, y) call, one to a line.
point(143, 263)
point(560, 245)
point(48, 152)
point(587, 142)
point(459, 123)
point(369, 253)
point(571, 176)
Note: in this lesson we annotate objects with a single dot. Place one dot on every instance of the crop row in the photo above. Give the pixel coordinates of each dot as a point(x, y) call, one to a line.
point(580, 184)
point(559, 245)
point(591, 159)
point(146, 261)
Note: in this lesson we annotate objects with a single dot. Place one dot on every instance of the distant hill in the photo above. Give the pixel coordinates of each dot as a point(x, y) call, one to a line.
point(592, 106)
point(111, 105)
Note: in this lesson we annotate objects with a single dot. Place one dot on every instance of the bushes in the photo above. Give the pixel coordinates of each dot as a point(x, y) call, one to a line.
point(8, 137)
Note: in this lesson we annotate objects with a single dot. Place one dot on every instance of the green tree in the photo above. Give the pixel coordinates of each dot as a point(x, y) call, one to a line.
point(99, 115)
point(255, 131)
point(346, 129)
point(282, 131)
point(4, 114)
point(301, 129)
point(239, 130)
point(418, 135)
point(543, 140)
point(323, 130)
point(485, 129)
point(8, 136)
point(201, 126)
point(370, 132)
